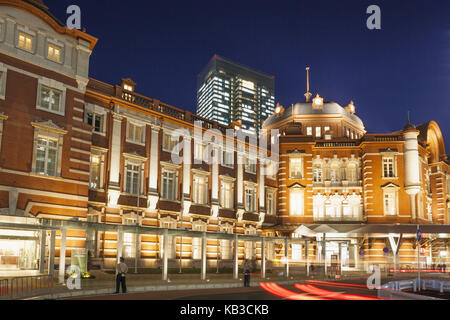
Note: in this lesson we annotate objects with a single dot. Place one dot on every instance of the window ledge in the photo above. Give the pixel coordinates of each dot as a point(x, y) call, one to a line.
point(99, 133)
point(136, 142)
point(37, 175)
point(173, 201)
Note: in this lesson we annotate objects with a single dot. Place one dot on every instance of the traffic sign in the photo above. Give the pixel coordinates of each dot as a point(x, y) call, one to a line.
point(419, 235)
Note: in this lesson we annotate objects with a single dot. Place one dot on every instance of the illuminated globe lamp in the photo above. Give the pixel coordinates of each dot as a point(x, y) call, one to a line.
point(279, 110)
point(318, 102)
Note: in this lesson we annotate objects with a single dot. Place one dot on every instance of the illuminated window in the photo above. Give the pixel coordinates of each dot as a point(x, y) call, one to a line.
point(318, 132)
point(226, 245)
point(317, 174)
point(133, 178)
point(227, 195)
point(169, 142)
point(250, 198)
point(250, 165)
point(96, 170)
point(127, 87)
point(54, 52)
point(136, 133)
point(390, 203)
point(169, 184)
point(228, 159)
point(129, 241)
point(50, 99)
point(46, 157)
point(200, 189)
point(25, 41)
point(296, 168)
point(296, 196)
point(388, 167)
point(95, 120)
point(3, 71)
point(270, 202)
point(309, 131)
point(199, 150)
point(351, 172)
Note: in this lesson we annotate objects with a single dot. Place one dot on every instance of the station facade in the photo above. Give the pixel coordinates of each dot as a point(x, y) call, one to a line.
point(76, 149)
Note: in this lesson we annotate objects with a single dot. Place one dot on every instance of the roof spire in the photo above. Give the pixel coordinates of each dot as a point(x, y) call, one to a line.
point(409, 116)
point(308, 94)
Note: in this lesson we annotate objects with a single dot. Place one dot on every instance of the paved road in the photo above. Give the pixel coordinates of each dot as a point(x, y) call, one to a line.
point(301, 291)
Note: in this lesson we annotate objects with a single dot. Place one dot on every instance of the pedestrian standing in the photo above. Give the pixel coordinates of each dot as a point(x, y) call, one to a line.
point(121, 271)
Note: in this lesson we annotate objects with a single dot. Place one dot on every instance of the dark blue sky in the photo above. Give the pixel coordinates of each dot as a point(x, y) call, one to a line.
point(163, 45)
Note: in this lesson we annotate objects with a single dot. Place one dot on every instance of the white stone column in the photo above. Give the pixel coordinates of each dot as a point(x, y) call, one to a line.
point(187, 156)
point(262, 194)
point(215, 177)
point(62, 255)
point(119, 244)
point(263, 258)
point(51, 257)
point(152, 195)
point(307, 257)
point(412, 168)
point(42, 251)
point(154, 156)
point(236, 257)
point(412, 198)
point(114, 176)
point(240, 180)
point(204, 256)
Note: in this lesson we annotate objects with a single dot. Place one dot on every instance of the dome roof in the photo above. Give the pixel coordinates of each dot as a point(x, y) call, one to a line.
point(306, 108)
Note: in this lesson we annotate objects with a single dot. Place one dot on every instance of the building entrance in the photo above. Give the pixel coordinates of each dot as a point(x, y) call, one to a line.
point(18, 250)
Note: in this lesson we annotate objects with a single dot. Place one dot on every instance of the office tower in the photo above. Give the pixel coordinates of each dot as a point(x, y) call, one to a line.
point(229, 92)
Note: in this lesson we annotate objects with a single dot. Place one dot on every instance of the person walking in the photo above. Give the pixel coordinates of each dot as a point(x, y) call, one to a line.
point(247, 271)
point(121, 271)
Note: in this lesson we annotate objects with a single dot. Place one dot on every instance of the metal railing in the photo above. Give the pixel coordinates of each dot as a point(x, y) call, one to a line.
point(19, 288)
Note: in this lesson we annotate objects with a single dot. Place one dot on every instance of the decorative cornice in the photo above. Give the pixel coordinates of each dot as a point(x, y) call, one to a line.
point(49, 126)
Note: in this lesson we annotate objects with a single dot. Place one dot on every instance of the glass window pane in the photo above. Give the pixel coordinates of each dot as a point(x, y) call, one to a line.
point(45, 98)
point(51, 162)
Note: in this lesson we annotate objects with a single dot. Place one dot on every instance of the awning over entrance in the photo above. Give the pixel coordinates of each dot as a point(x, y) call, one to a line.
point(376, 228)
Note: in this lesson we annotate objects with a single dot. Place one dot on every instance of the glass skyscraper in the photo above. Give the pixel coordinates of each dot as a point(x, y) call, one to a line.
point(229, 92)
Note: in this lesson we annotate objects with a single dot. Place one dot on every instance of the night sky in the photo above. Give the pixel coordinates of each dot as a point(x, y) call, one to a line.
point(163, 46)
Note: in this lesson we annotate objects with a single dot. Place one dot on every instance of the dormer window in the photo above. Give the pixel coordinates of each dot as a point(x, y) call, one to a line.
point(54, 52)
point(25, 41)
point(127, 87)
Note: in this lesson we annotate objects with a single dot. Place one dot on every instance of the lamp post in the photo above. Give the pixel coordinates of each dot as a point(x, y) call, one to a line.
point(181, 237)
point(137, 219)
point(218, 229)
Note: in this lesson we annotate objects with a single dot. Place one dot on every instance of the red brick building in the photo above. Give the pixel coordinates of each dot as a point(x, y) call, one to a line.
point(93, 154)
